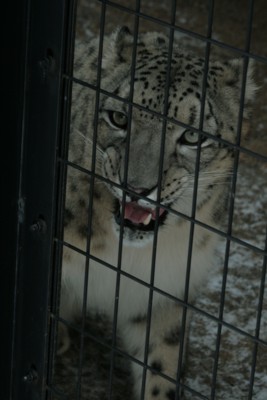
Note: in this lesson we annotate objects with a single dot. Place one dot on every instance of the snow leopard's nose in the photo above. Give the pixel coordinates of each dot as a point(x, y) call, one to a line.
point(137, 190)
point(141, 191)
point(142, 161)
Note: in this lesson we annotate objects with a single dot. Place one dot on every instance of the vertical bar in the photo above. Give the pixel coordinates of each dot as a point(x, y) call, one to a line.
point(39, 127)
point(194, 199)
point(63, 142)
point(13, 66)
point(90, 195)
point(159, 181)
point(232, 199)
point(125, 174)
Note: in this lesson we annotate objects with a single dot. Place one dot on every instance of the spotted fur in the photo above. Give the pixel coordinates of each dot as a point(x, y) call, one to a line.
point(137, 105)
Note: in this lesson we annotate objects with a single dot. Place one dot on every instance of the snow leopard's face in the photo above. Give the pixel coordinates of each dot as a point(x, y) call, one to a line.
point(149, 133)
point(148, 183)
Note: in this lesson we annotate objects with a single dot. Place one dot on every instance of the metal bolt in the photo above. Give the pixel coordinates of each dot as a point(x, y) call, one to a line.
point(38, 226)
point(31, 376)
point(47, 65)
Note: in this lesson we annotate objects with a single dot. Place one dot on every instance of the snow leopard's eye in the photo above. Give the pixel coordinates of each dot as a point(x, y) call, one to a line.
point(190, 138)
point(118, 119)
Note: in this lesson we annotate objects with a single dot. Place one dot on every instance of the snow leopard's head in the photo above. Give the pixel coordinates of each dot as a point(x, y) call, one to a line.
point(154, 131)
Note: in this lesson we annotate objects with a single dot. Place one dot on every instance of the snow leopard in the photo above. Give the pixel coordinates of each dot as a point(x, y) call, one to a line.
point(152, 143)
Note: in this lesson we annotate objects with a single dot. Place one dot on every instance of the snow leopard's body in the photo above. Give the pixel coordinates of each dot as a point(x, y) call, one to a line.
point(140, 192)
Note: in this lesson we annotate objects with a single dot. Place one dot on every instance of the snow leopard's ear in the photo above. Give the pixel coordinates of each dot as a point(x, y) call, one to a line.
point(231, 80)
point(228, 78)
point(234, 77)
point(117, 48)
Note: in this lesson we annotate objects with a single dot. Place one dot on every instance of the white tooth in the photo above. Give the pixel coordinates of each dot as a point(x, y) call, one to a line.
point(148, 219)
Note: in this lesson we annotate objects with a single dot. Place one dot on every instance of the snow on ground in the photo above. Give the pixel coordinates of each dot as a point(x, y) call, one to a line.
point(243, 285)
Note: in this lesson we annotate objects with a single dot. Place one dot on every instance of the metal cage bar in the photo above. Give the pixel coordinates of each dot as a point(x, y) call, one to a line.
point(38, 60)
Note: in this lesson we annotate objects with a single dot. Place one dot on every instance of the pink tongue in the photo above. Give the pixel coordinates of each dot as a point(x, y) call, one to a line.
point(138, 214)
point(135, 213)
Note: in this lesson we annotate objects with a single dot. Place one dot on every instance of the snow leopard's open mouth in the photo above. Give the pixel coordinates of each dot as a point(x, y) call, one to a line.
point(137, 217)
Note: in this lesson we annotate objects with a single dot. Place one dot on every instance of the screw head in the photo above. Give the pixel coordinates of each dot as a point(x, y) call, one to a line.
point(31, 376)
point(38, 226)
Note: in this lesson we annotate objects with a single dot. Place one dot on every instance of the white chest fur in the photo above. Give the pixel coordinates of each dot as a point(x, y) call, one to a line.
point(131, 288)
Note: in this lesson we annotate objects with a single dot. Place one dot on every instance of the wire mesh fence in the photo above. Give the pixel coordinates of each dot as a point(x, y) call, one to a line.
point(223, 361)
point(160, 244)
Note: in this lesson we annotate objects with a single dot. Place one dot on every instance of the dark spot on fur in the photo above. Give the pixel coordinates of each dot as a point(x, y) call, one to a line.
point(68, 216)
point(188, 66)
point(121, 59)
point(170, 394)
point(140, 319)
point(124, 30)
point(192, 115)
point(73, 187)
point(156, 366)
point(94, 63)
point(155, 391)
point(212, 72)
point(85, 178)
point(91, 49)
point(172, 338)
point(160, 40)
point(83, 230)
point(97, 194)
point(82, 203)
point(231, 82)
point(217, 68)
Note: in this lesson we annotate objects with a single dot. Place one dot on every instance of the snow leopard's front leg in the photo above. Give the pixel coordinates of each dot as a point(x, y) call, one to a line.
point(163, 351)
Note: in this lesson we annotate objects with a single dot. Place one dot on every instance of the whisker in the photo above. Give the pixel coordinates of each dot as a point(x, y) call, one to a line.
point(97, 182)
point(211, 176)
point(89, 141)
point(212, 173)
